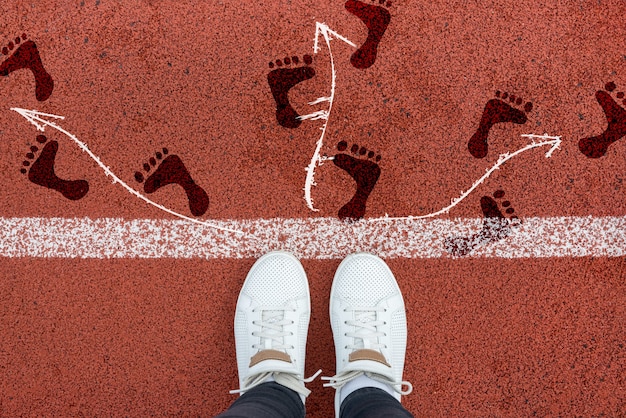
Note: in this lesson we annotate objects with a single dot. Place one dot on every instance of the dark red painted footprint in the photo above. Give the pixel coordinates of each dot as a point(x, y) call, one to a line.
point(376, 18)
point(364, 171)
point(497, 111)
point(496, 226)
point(596, 146)
point(42, 173)
point(27, 56)
point(281, 80)
point(171, 170)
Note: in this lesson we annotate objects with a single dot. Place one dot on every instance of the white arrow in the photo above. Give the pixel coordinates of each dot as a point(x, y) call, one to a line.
point(37, 119)
point(553, 141)
point(327, 33)
point(320, 114)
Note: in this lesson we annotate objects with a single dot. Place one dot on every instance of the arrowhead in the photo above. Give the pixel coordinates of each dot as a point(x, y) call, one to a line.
point(322, 28)
point(37, 118)
point(556, 145)
point(555, 141)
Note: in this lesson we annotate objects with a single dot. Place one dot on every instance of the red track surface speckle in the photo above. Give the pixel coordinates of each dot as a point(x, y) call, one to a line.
point(487, 336)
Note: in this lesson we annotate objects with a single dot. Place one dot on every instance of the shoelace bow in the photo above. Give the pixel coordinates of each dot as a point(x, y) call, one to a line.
point(366, 336)
point(293, 381)
point(340, 380)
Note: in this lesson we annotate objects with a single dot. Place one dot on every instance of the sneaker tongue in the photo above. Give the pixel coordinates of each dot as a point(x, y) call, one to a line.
point(269, 354)
point(369, 355)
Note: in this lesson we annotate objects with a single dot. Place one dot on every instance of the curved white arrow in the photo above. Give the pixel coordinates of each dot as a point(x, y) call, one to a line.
point(553, 141)
point(37, 119)
point(327, 33)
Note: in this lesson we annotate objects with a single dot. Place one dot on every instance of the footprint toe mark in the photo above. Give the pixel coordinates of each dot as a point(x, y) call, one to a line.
point(27, 56)
point(496, 226)
point(42, 173)
point(281, 80)
point(365, 173)
point(496, 111)
point(171, 170)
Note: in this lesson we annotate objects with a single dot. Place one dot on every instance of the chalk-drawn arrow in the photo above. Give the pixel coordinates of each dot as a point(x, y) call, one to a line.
point(38, 119)
point(321, 29)
point(327, 33)
point(553, 141)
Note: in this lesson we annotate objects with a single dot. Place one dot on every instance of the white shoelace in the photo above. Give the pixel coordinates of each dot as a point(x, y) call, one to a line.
point(272, 325)
point(366, 332)
point(340, 380)
point(272, 335)
point(291, 381)
point(366, 336)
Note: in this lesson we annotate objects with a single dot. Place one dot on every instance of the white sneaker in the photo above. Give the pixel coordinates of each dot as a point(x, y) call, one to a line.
point(369, 325)
point(271, 324)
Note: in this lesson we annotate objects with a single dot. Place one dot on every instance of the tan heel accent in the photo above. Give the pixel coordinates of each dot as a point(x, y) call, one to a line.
point(365, 354)
point(269, 355)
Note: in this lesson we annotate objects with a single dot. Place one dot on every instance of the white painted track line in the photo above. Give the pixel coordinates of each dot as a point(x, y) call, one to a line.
point(313, 238)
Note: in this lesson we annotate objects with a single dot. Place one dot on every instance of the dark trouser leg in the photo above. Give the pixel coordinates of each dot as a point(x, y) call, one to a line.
point(372, 403)
point(268, 400)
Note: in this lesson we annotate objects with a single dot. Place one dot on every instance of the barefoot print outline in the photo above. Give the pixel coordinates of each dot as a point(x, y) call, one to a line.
point(496, 111)
point(496, 226)
point(27, 56)
point(171, 170)
point(376, 18)
point(282, 80)
point(364, 171)
point(597, 146)
point(42, 172)
point(36, 118)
